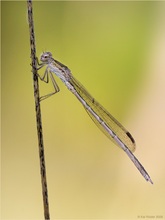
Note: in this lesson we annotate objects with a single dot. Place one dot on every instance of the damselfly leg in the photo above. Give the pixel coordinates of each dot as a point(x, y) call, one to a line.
point(45, 78)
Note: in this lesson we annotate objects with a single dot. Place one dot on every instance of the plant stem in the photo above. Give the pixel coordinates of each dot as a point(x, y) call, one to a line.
point(38, 111)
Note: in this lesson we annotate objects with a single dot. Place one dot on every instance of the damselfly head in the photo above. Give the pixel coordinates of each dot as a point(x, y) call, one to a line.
point(45, 57)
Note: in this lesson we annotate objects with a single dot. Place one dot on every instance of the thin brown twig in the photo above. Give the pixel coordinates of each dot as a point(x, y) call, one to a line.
point(38, 111)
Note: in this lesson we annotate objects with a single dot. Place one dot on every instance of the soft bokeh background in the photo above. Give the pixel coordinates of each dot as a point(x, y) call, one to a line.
point(117, 51)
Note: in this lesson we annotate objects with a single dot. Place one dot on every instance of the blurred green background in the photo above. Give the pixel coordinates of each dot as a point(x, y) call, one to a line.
point(116, 50)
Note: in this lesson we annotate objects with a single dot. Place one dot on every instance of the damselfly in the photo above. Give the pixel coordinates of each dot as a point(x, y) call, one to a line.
point(102, 118)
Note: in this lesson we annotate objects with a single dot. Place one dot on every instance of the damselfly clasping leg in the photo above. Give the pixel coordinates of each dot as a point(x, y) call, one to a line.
point(45, 78)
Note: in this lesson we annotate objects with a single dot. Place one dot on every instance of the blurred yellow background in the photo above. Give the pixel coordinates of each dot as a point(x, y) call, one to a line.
point(117, 51)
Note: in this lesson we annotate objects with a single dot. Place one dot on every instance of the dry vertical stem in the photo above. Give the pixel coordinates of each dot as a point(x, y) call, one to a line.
point(38, 111)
